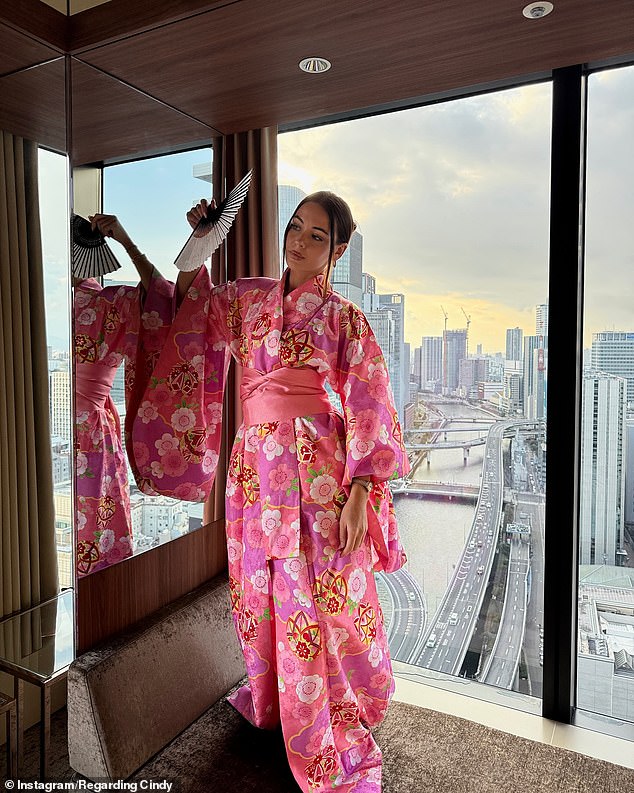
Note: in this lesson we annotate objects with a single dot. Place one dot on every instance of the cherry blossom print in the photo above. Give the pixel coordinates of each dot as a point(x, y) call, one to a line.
point(318, 739)
point(381, 680)
point(290, 668)
point(271, 520)
point(173, 463)
point(141, 452)
point(158, 472)
point(309, 688)
point(336, 637)
point(360, 448)
point(260, 580)
point(284, 542)
point(192, 349)
point(81, 463)
point(151, 320)
point(281, 590)
point(295, 567)
point(210, 461)
point(308, 303)
point(368, 423)
point(303, 712)
point(86, 317)
point(147, 412)
point(166, 443)
point(214, 412)
point(384, 463)
point(187, 491)
point(323, 488)
point(375, 656)
point(106, 541)
point(302, 598)
point(272, 448)
point(285, 433)
point(357, 584)
point(183, 419)
point(255, 534)
point(326, 523)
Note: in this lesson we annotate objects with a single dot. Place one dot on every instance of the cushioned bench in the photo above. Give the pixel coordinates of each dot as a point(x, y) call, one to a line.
point(129, 698)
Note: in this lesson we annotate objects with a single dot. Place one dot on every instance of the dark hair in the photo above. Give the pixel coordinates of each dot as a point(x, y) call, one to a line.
point(342, 225)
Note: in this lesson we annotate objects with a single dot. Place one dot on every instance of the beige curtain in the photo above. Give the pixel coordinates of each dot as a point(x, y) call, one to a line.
point(251, 249)
point(28, 557)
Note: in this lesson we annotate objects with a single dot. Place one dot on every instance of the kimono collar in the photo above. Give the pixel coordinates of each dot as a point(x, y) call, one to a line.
point(314, 285)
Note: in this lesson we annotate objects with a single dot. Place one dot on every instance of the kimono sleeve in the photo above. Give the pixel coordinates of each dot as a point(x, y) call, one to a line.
point(374, 439)
point(176, 426)
point(105, 322)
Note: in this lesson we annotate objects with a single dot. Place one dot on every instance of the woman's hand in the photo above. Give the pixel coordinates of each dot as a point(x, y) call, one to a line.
point(109, 226)
point(353, 522)
point(196, 213)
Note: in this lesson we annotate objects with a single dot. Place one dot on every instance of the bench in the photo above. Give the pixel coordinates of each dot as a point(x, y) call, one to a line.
point(130, 698)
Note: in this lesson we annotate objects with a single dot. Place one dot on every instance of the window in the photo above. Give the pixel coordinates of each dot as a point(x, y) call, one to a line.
point(450, 265)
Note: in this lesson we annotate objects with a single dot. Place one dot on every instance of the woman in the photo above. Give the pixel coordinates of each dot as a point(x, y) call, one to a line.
point(107, 324)
point(309, 513)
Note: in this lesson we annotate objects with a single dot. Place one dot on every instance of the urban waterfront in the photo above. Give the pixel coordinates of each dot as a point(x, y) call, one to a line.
point(434, 530)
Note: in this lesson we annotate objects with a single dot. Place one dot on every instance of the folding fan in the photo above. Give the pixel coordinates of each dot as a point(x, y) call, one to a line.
point(212, 229)
point(91, 255)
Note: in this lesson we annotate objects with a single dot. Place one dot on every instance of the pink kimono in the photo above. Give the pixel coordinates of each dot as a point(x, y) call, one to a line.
point(308, 618)
point(106, 324)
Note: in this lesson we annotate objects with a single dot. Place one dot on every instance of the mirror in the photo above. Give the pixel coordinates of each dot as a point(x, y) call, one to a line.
point(117, 134)
point(32, 106)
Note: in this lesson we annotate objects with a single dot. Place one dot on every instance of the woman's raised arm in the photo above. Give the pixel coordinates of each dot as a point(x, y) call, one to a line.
point(110, 226)
point(186, 279)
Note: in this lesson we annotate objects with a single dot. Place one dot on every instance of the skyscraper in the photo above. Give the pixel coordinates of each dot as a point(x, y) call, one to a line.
point(534, 374)
point(431, 362)
point(346, 277)
point(613, 352)
point(398, 367)
point(514, 338)
point(288, 197)
point(602, 488)
point(541, 319)
point(454, 351)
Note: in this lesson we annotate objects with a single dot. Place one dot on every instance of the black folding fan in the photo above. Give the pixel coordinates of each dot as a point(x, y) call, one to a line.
point(212, 229)
point(91, 255)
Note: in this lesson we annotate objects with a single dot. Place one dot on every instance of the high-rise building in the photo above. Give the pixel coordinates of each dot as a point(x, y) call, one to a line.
point(288, 197)
point(431, 362)
point(454, 351)
point(534, 373)
point(60, 405)
point(472, 372)
point(397, 365)
point(346, 277)
point(514, 338)
point(613, 352)
point(541, 320)
point(602, 484)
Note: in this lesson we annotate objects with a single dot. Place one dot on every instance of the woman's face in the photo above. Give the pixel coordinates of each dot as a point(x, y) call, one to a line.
point(308, 241)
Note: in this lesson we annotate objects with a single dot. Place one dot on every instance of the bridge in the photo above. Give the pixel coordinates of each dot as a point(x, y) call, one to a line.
point(450, 489)
point(419, 447)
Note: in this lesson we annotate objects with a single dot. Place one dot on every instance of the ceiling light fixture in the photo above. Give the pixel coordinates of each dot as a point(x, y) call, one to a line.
point(314, 65)
point(537, 10)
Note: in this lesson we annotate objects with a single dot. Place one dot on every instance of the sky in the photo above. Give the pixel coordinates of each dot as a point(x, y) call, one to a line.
point(451, 200)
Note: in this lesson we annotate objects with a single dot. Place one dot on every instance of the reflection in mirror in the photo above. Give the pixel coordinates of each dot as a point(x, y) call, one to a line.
point(119, 321)
point(32, 108)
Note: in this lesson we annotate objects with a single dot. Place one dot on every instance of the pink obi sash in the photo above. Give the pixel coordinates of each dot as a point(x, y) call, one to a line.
point(282, 394)
point(93, 382)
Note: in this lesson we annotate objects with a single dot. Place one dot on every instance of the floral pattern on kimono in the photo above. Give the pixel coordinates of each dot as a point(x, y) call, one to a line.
point(106, 325)
point(308, 618)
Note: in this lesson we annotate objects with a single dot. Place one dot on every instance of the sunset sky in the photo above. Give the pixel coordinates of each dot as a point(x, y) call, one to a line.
point(451, 199)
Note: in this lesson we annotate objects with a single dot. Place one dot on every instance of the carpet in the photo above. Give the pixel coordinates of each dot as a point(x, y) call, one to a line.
point(423, 750)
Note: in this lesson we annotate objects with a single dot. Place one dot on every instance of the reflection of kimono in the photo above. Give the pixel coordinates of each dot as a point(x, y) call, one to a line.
point(107, 324)
point(308, 619)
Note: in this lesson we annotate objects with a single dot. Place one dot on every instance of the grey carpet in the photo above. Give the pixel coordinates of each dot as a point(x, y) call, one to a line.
point(423, 751)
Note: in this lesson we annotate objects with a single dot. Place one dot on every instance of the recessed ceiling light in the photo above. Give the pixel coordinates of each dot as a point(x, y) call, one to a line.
point(314, 65)
point(537, 10)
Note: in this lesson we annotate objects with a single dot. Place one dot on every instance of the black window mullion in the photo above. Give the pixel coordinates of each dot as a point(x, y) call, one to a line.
point(565, 363)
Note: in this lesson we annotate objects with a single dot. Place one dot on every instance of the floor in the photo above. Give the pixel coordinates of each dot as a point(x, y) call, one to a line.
point(526, 725)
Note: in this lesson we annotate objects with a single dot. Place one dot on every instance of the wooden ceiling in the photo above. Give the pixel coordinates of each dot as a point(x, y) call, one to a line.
point(188, 68)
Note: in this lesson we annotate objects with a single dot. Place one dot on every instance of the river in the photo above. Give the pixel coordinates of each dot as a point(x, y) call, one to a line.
point(434, 531)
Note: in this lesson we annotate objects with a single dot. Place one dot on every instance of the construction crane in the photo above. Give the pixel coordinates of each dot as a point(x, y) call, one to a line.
point(445, 315)
point(467, 317)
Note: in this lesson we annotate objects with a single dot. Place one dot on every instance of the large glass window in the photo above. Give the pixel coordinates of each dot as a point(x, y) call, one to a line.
point(450, 265)
point(54, 214)
point(605, 675)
